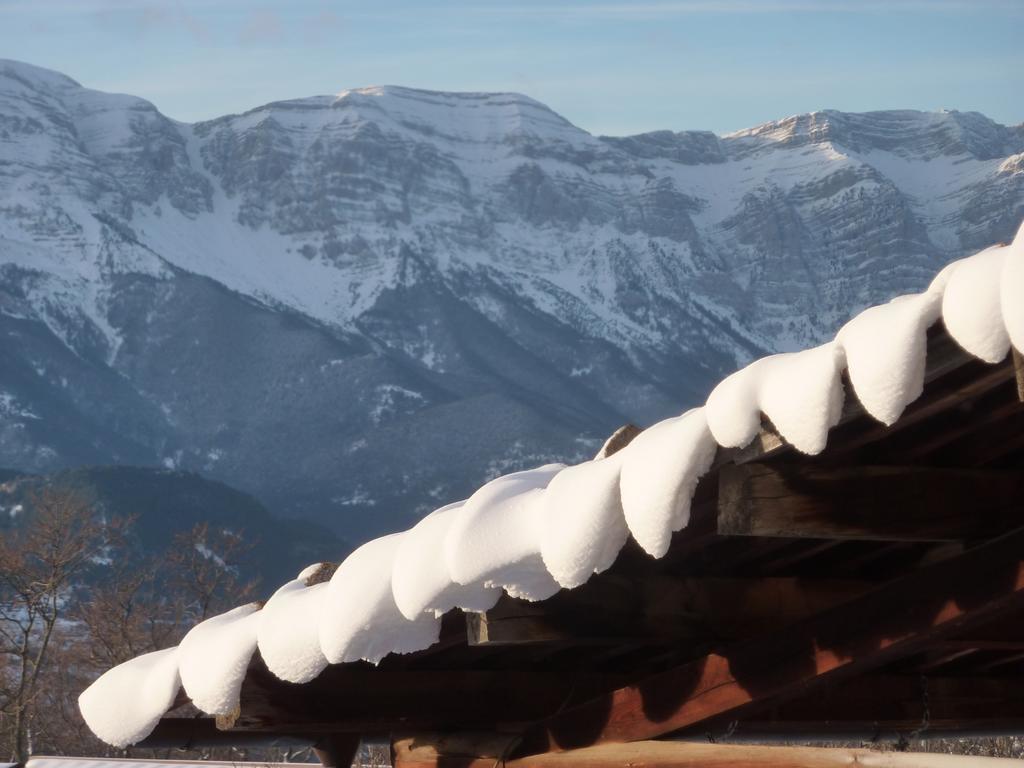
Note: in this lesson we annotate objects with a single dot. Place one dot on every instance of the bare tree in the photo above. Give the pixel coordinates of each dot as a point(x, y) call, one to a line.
point(204, 571)
point(40, 564)
point(76, 598)
point(127, 613)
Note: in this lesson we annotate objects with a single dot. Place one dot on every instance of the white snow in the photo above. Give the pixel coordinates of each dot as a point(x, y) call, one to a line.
point(1012, 288)
point(885, 350)
point(971, 305)
point(360, 619)
point(124, 705)
point(583, 525)
point(11, 408)
point(213, 658)
point(485, 138)
point(532, 533)
point(391, 399)
point(495, 540)
point(209, 554)
point(660, 470)
point(287, 635)
point(794, 390)
point(420, 580)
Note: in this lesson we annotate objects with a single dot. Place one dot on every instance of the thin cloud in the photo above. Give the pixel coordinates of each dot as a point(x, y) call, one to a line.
point(149, 17)
point(659, 10)
point(322, 27)
point(90, 7)
point(262, 27)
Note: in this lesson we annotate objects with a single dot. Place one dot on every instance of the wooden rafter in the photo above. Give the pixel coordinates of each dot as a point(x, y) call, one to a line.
point(661, 609)
point(892, 622)
point(358, 698)
point(884, 503)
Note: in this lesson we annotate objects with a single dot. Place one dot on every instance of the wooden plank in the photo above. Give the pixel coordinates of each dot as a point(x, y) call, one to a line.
point(421, 753)
point(868, 503)
point(767, 442)
point(360, 698)
point(659, 609)
point(902, 618)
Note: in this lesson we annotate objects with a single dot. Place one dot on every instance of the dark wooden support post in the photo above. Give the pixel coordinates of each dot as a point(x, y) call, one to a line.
point(868, 503)
point(906, 616)
point(337, 750)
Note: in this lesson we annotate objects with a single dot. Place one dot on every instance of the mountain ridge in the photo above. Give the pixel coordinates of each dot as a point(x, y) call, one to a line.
point(360, 306)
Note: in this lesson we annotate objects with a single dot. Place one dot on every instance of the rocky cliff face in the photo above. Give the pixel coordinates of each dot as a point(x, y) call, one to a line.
point(358, 307)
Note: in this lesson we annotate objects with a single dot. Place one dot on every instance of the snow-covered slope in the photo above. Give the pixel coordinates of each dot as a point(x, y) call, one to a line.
point(353, 305)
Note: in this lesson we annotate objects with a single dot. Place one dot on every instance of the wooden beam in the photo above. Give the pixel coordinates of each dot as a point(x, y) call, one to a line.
point(501, 628)
point(881, 706)
point(360, 698)
point(766, 443)
point(420, 753)
point(869, 503)
point(659, 609)
point(902, 618)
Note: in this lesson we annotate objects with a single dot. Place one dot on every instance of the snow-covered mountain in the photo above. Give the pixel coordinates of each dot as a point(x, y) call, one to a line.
point(357, 307)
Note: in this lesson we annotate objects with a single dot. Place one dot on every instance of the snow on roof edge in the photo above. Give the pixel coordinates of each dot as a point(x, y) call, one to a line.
point(532, 533)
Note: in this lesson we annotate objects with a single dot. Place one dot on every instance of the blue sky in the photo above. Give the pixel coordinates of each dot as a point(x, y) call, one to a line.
point(610, 67)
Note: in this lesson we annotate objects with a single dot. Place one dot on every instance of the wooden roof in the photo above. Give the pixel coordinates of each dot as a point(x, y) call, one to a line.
point(876, 588)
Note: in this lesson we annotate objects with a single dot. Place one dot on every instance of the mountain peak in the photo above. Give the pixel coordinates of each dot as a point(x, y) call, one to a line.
point(30, 73)
point(905, 132)
point(462, 116)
